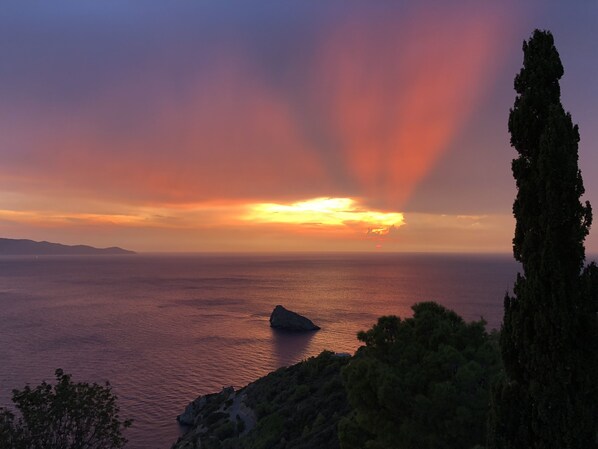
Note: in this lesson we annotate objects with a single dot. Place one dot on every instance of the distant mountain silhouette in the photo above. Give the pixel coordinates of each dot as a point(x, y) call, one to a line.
point(12, 247)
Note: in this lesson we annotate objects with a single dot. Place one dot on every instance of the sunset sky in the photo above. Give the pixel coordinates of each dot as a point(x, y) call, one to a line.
point(275, 126)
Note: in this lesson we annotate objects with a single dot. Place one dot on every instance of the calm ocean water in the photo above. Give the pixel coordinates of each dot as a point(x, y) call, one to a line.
point(164, 329)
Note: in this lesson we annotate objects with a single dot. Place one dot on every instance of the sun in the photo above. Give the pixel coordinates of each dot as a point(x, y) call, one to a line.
point(325, 212)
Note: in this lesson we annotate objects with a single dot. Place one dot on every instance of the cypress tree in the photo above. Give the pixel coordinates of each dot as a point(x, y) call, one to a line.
point(549, 338)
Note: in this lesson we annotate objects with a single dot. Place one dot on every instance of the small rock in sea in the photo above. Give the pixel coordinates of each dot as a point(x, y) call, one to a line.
point(282, 318)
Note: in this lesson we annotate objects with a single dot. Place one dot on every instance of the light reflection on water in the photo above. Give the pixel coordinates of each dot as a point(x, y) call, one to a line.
point(164, 329)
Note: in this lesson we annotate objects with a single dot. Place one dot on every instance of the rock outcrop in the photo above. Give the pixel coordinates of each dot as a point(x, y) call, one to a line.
point(282, 318)
point(215, 417)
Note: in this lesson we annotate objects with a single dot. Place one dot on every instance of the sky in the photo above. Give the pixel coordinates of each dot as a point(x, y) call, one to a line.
point(275, 126)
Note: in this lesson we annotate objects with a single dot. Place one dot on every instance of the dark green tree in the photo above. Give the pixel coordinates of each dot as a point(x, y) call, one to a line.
point(10, 436)
point(420, 383)
point(549, 338)
point(66, 415)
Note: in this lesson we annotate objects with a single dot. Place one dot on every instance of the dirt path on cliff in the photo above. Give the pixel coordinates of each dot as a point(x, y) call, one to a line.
point(245, 414)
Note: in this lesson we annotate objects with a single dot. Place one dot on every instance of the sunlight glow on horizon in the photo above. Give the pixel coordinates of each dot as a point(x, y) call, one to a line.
point(319, 224)
point(325, 211)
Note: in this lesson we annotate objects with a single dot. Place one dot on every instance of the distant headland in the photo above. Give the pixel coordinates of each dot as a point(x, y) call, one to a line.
point(22, 247)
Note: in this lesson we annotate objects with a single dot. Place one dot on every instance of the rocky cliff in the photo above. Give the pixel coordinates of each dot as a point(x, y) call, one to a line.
point(298, 407)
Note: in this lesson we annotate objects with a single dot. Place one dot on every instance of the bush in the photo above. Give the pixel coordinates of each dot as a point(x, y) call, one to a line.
point(66, 415)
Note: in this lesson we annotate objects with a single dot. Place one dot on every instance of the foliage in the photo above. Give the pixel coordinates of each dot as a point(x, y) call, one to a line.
point(66, 415)
point(421, 382)
point(550, 331)
point(296, 407)
point(10, 435)
point(300, 405)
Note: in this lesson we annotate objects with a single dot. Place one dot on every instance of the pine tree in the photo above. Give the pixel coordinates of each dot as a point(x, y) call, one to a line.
point(549, 338)
point(420, 383)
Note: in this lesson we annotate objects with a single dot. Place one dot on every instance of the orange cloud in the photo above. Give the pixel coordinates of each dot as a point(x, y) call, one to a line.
point(230, 137)
point(335, 224)
point(344, 215)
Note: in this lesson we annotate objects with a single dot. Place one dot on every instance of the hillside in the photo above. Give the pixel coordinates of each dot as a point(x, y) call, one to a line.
point(296, 407)
point(21, 247)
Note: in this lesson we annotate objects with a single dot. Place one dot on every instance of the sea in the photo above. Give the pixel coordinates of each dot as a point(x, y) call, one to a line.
point(164, 329)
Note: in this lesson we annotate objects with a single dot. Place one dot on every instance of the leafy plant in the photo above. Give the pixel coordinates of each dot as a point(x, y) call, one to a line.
point(66, 415)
